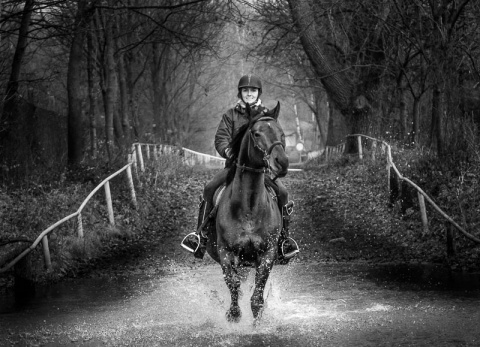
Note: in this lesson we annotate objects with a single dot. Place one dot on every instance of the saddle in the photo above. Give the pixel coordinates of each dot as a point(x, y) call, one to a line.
point(219, 192)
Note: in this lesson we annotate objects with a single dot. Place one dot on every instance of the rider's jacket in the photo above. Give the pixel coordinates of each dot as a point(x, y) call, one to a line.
point(231, 122)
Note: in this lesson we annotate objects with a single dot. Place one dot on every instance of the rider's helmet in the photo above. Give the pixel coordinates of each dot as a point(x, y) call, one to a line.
point(251, 81)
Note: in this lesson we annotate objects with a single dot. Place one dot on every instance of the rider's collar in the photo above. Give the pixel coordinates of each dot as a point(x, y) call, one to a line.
point(240, 106)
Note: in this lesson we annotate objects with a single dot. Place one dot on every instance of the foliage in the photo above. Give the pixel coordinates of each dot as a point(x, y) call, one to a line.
point(451, 183)
point(25, 212)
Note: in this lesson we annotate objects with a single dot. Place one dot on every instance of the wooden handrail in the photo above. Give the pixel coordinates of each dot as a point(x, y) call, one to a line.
point(43, 235)
point(133, 156)
point(391, 164)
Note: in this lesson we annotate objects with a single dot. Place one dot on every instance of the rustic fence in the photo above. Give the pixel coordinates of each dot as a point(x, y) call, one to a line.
point(135, 159)
point(421, 195)
point(329, 152)
point(154, 151)
point(43, 237)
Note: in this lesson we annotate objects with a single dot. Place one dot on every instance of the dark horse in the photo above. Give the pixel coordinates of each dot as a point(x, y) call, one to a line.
point(249, 222)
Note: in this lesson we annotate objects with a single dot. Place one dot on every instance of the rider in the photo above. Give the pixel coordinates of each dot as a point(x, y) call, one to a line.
point(249, 91)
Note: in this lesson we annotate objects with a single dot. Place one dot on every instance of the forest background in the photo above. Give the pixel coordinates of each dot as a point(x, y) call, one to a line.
point(84, 79)
point(80, 81)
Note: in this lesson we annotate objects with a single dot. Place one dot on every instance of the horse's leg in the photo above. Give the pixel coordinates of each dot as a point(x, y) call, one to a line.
point(233, 283)
point(261, 277)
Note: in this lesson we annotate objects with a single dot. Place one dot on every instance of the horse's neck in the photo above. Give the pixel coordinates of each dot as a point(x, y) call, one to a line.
point(248, 187)
point(249, 190)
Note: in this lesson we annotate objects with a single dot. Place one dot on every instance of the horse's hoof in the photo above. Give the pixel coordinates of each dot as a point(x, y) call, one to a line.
point(256, 322)
point(233, 315)
point(257, 311)
point(240, 293)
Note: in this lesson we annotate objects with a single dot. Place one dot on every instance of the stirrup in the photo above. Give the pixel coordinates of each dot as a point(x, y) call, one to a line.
point(189, 244)
point(289, 207)
point(289, 250)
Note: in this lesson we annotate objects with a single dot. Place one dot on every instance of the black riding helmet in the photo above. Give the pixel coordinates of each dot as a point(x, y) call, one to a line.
point(250, 81)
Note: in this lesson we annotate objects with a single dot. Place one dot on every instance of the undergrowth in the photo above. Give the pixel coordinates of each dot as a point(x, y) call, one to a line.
point(28, 210)
point(451, 182)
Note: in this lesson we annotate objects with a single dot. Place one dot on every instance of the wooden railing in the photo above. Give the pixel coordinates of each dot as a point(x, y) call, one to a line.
point(421, 195)
point(135, 159)
point(330, 152)
point(43, 237)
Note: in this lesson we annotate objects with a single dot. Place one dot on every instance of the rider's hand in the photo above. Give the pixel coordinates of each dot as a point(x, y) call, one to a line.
point(228, 152)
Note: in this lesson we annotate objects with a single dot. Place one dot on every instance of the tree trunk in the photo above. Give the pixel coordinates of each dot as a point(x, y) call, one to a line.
point(322, 116)
point(92, 95)
point(436, 133)
point(159, 62)
point(124, 104)
point(12, 85)
point(338, 87)
point(76, 141)
point(132, 101)
point(415, 136)
point(403, 112)
point(110, 91)
point(14, 146)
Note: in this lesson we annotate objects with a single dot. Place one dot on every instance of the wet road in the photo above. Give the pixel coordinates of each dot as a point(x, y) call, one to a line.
point(307, 304)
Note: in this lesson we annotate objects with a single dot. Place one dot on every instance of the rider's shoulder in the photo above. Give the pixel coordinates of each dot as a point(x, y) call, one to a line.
point(237, 110)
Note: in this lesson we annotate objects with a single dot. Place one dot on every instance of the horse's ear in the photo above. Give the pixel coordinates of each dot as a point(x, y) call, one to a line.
point(248, 110)
point(275, 112)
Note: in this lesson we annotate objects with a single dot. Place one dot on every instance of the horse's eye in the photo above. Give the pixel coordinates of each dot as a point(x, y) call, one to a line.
point(256, 135)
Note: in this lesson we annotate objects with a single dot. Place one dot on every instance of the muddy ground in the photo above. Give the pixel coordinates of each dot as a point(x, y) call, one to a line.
point(354, 284)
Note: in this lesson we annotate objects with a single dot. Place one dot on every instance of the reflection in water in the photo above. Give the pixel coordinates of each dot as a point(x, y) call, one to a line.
point(194, 286)
point(425, 277)
point(304, 303)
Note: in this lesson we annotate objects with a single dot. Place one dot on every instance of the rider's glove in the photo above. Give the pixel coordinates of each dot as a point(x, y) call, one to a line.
point(228, 152)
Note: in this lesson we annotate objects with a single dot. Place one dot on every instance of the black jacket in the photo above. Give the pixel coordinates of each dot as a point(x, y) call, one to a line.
point(231, 122)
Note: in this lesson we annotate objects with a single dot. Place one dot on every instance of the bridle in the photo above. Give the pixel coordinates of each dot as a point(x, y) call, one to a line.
point(266, 152)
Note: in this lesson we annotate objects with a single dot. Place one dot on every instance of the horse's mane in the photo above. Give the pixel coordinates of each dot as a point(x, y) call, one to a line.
point(237, 142)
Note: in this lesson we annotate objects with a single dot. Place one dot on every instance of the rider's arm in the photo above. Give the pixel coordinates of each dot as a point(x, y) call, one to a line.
point(224, 134)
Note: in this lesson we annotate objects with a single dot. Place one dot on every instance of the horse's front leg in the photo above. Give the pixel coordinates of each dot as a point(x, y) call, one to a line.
point(233, 283)
point(261, 276)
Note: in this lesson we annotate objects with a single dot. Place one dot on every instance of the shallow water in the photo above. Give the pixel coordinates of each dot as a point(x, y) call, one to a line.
point(306, 304)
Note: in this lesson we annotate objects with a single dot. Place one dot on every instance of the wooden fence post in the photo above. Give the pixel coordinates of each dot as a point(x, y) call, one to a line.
point(140, 157)
point(393, 185)
point(133, 159)
point(79, 226)
point(132, 187)
point(46, 253)
point(423, 211)
point(374, 149)
point(388, 177)
point(108, 198)
point(360, 149)
point(148, 151)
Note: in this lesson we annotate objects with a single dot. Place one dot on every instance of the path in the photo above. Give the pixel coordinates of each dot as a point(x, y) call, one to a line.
point(154, 294)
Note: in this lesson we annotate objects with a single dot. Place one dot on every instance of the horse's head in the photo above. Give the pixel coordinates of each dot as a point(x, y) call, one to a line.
point(268, 141)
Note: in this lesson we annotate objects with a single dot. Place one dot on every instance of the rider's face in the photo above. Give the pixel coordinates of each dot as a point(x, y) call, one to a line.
point(249, 95)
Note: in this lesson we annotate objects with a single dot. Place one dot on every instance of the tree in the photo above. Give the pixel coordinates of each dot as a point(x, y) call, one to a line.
point(76, 122)
point(13, 142)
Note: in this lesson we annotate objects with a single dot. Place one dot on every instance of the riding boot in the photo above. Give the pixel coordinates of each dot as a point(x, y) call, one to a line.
point(196, 242)
point(287, 246)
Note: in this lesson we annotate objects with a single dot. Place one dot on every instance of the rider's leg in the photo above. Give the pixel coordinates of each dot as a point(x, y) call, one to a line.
point(288, 247)
point(196, 242)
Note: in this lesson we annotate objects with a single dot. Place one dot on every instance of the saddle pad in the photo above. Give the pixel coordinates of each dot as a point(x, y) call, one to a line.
point(219, 192)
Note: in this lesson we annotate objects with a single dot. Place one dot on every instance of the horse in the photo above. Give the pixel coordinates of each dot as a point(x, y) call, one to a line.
point(248, 220)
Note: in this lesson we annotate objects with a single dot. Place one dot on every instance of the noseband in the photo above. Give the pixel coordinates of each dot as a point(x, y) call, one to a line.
point(266, 152)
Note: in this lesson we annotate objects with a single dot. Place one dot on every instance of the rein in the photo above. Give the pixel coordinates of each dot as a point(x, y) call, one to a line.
point(266, 152)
